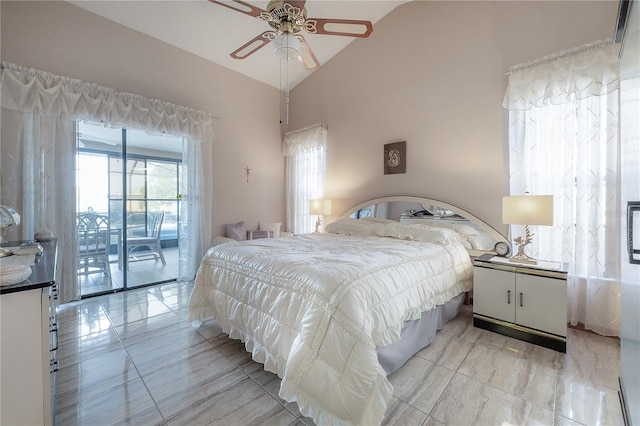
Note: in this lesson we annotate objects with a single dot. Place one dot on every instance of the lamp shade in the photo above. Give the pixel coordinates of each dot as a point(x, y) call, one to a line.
point(527, 210)
point(286, 46)
point(320, 207)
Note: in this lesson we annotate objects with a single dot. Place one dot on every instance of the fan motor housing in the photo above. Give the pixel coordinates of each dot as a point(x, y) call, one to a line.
point(285, 17)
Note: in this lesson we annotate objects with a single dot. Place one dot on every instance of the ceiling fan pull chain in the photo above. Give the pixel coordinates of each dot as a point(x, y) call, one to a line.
point(287, 102)
point(286, 94)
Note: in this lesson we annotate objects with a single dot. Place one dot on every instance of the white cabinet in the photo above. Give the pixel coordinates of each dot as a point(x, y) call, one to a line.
point(26, 315)
point(528, 302)
point(26, 385)
point(542, 303)
point(493, 294)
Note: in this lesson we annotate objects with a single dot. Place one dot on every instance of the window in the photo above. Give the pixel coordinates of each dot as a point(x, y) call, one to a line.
point(44, 112)
point(128, 176)
point(563, 140)
point(306, 163)
point(152, 185)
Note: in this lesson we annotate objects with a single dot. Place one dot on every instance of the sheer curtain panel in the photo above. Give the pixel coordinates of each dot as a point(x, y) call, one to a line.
point(563, 140)
point(38, 179)
point(38, 155)
point(195, 207)
point(306, 153)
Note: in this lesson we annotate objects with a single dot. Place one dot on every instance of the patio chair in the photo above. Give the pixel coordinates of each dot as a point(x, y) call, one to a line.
point(151, 241)
point(93, 241)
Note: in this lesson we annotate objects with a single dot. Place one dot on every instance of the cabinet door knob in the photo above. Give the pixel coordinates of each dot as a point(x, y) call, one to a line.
point(521, 300)
point(508, 297)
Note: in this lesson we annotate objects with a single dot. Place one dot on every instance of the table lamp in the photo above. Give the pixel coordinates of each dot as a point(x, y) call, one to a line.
point(526, 210)
point(319, 207)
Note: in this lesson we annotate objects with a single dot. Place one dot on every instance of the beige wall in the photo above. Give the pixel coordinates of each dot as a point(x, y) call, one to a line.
point(432, 73)
point(66, 40)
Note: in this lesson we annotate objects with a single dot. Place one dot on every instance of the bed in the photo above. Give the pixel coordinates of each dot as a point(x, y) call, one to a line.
point(323, 311)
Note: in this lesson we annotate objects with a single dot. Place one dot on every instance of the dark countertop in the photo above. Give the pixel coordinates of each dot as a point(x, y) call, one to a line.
point(43, 271)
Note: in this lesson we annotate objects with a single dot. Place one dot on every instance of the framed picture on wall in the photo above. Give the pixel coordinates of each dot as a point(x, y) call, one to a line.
point(395, 158)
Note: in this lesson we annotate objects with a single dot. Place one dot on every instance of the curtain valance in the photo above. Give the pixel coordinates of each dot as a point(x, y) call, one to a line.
point(589, 70)
point(303, 139)
point(27, 89)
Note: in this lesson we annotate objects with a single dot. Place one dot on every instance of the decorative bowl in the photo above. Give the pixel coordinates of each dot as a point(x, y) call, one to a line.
point(43, 236)
point(14, 274)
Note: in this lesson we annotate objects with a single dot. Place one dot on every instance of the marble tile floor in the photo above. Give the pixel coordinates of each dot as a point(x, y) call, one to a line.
point(132, 358)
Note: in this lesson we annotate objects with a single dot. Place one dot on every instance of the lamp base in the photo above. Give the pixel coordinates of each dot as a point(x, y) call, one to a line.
point(318, 223)
point(523, 259)
point(522, 242)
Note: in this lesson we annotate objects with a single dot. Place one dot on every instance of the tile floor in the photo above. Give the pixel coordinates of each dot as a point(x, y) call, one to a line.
point(132, 358)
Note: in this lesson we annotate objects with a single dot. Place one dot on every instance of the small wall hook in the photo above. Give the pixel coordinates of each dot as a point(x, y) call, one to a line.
point(247, 169)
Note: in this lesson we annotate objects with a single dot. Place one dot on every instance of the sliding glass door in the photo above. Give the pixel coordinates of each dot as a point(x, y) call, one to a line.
point(130, 180)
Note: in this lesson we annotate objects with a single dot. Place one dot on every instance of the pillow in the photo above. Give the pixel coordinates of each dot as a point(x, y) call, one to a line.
point(237, 231)
point(458, 227)
point(421, 232)
point(354, 227)
point(271, 226)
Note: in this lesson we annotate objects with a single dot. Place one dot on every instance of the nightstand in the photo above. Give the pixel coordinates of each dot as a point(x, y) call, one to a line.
point(526, 302)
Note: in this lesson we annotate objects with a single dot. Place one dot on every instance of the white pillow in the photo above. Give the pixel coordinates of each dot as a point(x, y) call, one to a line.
point(421, 232)
point(354, 227)
point(271, 226)
point(458, 227)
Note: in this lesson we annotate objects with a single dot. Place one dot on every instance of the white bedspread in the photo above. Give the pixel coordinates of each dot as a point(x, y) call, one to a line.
point(314, 308)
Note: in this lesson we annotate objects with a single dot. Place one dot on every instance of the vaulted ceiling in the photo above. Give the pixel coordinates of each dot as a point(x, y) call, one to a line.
point(213, 31)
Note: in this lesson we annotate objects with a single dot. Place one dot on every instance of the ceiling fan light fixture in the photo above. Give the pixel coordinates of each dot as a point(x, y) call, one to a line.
point(286, 46)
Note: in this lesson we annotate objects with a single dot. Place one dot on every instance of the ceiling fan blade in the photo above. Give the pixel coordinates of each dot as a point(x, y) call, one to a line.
point(339, 27)
point(307, 57)
point(253, 45)
point(297, 3)
point(241, 6)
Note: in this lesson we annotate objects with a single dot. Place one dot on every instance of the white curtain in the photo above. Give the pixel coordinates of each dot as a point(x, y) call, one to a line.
point(563, 140)
point(306, 152)
point(38, 156)
point(195, 207)
point(38, 179)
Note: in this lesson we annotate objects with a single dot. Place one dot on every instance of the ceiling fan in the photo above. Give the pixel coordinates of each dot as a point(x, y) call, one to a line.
point(287, 19)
